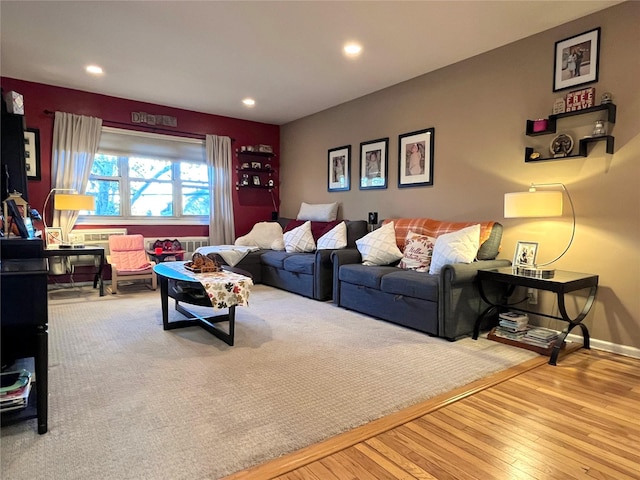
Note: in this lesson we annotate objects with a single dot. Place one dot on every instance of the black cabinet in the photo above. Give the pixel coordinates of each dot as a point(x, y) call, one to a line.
point(24, 320)
point(12, 162)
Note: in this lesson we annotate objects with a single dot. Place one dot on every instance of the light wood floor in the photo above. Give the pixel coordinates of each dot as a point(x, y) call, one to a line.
point(579, 419)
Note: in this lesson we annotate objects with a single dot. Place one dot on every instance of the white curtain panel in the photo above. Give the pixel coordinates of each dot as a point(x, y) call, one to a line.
point(219, 159)
point(75, 142)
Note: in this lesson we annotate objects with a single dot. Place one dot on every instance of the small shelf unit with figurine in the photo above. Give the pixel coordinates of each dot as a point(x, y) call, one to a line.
point(583, 144)
point(255, 171)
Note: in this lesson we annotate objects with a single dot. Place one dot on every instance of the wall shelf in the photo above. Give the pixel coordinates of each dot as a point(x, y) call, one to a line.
point(583, 144)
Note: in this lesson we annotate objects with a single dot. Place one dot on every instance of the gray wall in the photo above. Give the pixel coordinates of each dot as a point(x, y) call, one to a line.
point(479, 108)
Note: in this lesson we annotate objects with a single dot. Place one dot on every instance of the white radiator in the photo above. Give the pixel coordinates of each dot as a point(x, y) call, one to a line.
point(98, 237)
point(189, 244)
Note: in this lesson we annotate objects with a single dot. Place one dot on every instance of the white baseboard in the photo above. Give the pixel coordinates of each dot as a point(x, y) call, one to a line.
point(596, 344)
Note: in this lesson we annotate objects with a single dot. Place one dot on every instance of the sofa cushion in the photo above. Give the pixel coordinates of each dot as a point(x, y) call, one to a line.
point(334, 238)
point(411, 284)
point(379, 247)
point(319, 212)
point(455, 247)
point(300, 263)
point(318, 229)
point(299, 239)
point(365, 275)
point(274, 258)
point(490, 232)
point(418, 250)
point(266, 235)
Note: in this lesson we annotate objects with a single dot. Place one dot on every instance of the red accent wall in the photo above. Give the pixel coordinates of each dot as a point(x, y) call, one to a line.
point(250, 206)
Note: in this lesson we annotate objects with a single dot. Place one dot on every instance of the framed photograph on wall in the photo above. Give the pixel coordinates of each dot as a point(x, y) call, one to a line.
point(32, 153)
point(576, 60)
point(525, 254)
point(373, 164)
point(339, 168)
point(415, 158)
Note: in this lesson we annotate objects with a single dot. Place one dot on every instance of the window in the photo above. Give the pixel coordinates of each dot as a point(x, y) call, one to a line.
point(149, 177)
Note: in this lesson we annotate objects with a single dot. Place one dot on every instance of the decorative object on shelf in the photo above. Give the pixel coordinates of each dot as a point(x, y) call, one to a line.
point(263, 148)
point(534, 155)
point(540, 125)
point(339, 169)
point(374, 164)
point(559, 106)
point(256, 180)
point(576, 60)
point(245, 165)
point(267, 166)
point(580, 99)
point(561, 145)
point(256, 165)
point(538, 204)
point(246, 148)
point(245, 180)
point(15, 102)
point(32, 152)
point(415, 158)
point(599, 129)
point(525, 254)
point(606, 98)
point(270, 182)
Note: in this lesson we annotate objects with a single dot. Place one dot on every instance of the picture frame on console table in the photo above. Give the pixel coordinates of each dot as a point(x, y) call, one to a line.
point(576, 60)
point(53, 236)
point(339, 169)
point(525, 254)
point(415, 158)
point(374, 164)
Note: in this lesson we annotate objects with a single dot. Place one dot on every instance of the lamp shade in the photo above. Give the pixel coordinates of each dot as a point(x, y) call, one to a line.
point(533, 204)
point(64, 201)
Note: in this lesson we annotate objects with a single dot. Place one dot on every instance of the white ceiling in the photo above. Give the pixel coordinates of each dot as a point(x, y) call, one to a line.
point(207, 56)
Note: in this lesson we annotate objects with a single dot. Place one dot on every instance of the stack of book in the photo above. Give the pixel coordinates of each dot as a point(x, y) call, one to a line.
point(14, 390)
point(541, 337)
point(512, 325)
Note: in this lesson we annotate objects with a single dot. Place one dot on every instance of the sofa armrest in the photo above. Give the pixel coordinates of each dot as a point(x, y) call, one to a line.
point(459, 301)
point(460, 273)
point(344, 256)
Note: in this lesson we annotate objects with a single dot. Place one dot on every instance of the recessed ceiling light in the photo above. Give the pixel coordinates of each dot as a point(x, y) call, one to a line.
point(352, 49)
point(249, 102)
point(94, 70)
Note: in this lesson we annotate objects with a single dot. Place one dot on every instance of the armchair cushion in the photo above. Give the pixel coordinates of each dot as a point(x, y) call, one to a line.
point(127, 253)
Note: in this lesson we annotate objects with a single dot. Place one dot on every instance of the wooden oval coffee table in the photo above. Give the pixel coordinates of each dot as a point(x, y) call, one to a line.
point(218, 290)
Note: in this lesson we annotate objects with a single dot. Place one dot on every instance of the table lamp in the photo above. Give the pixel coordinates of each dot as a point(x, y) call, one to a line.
point(539, 204)
point(68, 201)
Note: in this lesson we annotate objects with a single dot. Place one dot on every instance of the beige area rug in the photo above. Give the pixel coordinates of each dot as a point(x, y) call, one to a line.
point(131, 401)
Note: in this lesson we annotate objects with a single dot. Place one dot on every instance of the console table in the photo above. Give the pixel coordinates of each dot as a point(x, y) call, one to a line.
point(563, 282)
point(94, 251)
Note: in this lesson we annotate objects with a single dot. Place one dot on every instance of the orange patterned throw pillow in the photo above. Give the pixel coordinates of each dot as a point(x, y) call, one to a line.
point(418, 250)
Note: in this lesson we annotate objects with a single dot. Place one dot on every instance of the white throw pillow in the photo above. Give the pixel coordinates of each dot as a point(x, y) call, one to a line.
point(299, 239)
point(334, 238)
point(379, 247)
point(455, 247)
point(418, 250)
point(319, 212)
point(267, 235)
